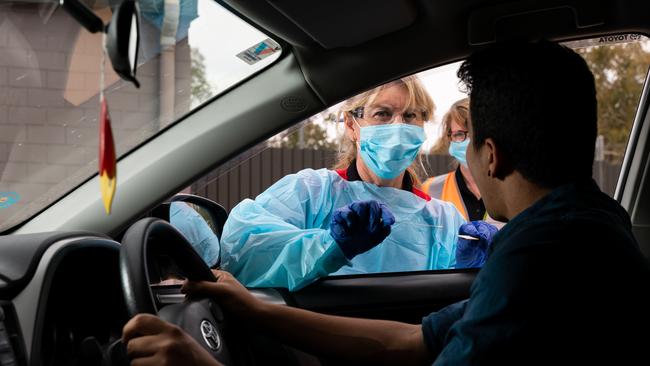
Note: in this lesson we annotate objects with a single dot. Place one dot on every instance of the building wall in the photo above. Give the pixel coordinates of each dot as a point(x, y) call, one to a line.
point(49, 103)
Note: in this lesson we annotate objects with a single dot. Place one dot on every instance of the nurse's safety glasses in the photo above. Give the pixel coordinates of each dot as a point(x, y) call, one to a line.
point(381, 115)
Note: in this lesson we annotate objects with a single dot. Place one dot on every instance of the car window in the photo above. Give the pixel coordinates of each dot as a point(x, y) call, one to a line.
point(189, 52)
point(619, 63)
point(315, 143)
point(620, 66)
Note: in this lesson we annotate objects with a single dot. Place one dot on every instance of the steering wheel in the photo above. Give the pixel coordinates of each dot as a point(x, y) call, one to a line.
point(202, 319)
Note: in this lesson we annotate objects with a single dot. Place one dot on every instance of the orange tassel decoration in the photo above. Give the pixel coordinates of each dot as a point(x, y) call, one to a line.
point(107, 163)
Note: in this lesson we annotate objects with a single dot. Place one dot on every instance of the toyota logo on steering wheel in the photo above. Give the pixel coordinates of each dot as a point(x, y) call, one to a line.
point(210, 335)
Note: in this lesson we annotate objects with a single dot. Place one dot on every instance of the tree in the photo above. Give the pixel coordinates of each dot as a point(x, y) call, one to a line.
point(311, 134)
point(619, 72)
point(201, 89)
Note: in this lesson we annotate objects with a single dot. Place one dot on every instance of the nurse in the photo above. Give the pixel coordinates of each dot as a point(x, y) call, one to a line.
point(365, 216)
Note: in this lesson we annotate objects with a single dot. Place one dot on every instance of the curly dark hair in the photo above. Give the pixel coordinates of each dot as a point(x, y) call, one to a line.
point(537, 101)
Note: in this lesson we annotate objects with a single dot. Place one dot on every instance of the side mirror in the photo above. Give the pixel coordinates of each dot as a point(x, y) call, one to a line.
point(122, 40)
point(217, 213)
point(200, 220)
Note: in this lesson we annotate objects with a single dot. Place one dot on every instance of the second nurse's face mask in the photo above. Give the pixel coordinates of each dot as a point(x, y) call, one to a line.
point(389, 149)
point(459, 150)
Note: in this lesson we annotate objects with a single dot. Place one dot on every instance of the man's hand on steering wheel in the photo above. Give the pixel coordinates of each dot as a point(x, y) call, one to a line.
point(231, 295)
point(188, 332)
point(152, 341)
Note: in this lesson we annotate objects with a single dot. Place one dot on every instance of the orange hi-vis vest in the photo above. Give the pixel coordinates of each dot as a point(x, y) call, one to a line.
point(445, 188)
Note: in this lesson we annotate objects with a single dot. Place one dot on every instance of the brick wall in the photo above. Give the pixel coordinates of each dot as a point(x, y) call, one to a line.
point(49, 107)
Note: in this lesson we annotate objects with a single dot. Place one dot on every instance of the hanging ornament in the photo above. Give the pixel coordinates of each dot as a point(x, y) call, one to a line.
point(107, 163)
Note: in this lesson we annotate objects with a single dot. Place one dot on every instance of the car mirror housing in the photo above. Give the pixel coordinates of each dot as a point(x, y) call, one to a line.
point(122, 40)
point(122, 34)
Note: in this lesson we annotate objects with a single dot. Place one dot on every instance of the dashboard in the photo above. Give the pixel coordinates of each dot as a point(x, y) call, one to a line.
point(61, 299)
point(84, 311)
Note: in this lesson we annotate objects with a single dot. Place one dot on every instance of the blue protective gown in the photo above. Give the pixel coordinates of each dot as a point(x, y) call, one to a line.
point(282, 238)
point(193, 226)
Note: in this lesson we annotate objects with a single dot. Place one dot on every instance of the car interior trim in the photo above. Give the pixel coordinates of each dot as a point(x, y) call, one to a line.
point(27, 302)
point(626, 187)
point(267, 295)
point(486, 25)
point(47, 284)
point(314, 19)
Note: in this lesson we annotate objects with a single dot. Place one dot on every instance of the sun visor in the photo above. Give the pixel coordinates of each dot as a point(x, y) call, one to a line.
point(344, 23)
point(532, 19)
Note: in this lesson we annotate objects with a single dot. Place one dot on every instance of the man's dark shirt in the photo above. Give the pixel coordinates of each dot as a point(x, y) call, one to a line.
point(564, 283)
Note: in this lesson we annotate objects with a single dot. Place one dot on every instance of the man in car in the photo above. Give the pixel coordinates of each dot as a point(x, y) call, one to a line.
point(564, 281)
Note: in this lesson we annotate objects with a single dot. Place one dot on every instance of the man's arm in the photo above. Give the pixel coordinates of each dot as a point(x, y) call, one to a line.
point(358, 340)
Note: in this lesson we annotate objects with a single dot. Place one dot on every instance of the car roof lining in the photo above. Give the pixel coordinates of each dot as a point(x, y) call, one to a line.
point(442, 32)
point(351, 28)
point(509, 20)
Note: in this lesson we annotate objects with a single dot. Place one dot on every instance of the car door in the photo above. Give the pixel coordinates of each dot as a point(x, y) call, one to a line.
point(408, 296)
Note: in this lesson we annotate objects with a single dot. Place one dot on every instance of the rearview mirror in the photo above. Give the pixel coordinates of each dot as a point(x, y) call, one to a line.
point(122, 33)
point(122, 40)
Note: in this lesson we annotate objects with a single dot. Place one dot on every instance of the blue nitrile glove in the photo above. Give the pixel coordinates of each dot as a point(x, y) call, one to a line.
point(360, 226)
point(473, 253)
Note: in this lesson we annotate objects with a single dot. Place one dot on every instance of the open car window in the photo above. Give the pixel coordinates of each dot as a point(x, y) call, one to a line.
point(316, 143)
point(619, 63)
point(189, 52)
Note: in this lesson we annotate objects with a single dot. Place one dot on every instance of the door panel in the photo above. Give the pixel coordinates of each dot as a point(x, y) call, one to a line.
point(395, 296)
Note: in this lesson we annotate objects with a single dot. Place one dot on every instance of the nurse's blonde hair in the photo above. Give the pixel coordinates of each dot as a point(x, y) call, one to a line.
point(459, 112)
point(419, 99)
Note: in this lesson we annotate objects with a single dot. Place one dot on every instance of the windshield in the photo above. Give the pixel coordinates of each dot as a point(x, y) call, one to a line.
point(189, 51)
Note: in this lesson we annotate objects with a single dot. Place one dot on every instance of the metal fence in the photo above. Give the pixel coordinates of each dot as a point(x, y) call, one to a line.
point(249, 176)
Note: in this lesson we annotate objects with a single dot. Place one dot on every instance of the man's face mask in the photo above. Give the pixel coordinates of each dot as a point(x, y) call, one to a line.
point(389, 149)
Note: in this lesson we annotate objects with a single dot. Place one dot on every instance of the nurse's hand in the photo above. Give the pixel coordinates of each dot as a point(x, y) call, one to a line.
point(360, 226)
point(472, 253)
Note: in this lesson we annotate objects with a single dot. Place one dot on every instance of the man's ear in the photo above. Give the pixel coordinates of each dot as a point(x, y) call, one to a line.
point(498, 166)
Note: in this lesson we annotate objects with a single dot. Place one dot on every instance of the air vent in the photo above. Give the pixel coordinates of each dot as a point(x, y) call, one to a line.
point(11, 349)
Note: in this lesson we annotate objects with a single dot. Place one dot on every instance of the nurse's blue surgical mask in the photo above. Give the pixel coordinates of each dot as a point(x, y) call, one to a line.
point(459, 150)
point(389, 149)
